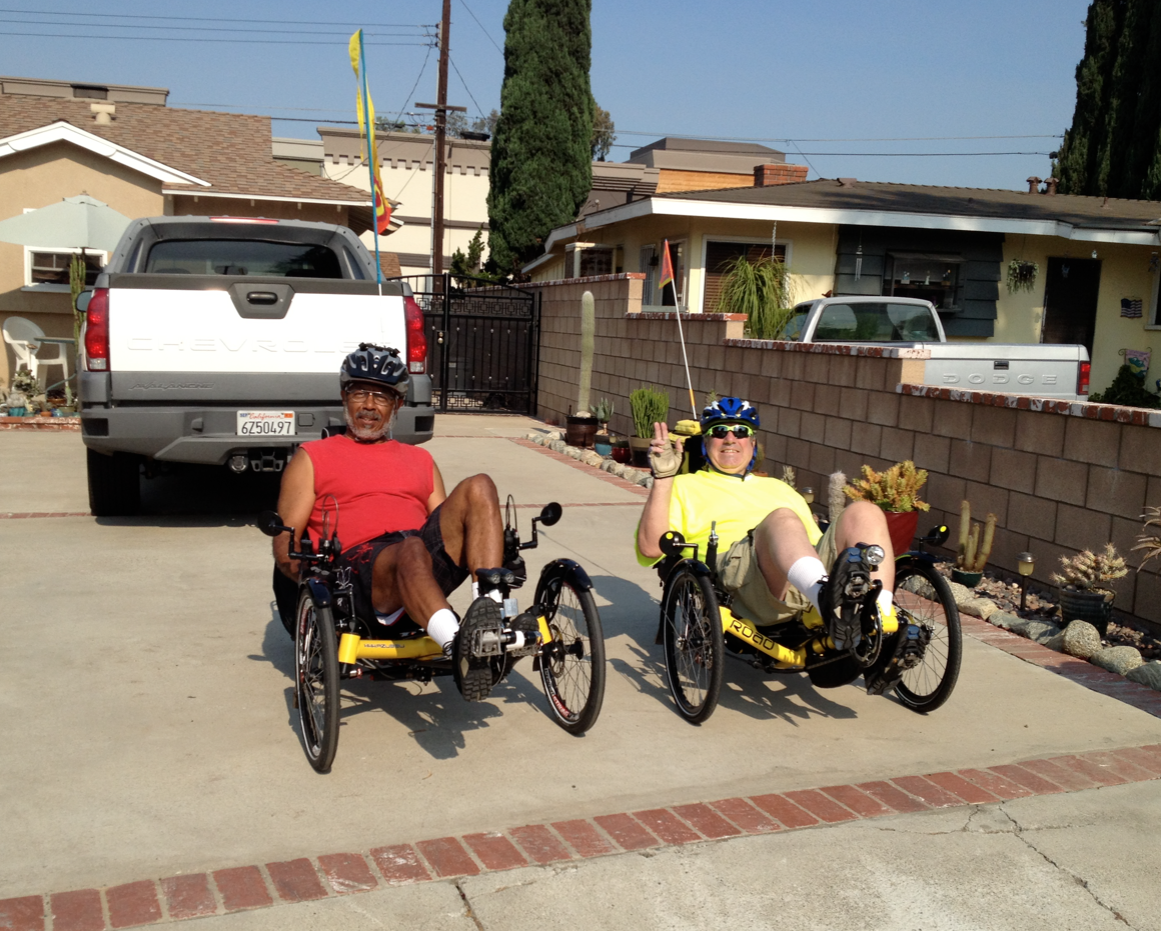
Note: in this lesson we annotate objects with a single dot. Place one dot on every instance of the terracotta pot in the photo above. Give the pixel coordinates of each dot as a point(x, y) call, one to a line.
point(902, 526)
point(1081, 605)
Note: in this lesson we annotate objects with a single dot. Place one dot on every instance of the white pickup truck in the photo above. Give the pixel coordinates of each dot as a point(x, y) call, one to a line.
point(1044, 370)
point(218, 340)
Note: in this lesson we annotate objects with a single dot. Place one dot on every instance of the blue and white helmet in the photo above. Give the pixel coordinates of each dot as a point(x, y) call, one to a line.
point(727, 411)
point(376, 364)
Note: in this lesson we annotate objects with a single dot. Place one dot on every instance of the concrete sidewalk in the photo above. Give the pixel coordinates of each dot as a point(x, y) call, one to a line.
point(146, 686)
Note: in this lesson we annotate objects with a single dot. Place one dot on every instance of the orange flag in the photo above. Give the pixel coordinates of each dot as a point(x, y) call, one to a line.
point(666, 267)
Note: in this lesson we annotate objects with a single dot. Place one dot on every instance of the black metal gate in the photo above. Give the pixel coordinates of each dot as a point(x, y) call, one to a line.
point(483, 344)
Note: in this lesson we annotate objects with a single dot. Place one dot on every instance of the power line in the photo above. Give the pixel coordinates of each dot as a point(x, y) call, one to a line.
point(481, 25)
point(265, 31)
point(452, 62)
point(335, 42)
point(218, 19)
point(656, 135)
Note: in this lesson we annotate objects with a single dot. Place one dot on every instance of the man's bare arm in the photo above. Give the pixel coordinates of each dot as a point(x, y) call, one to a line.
point(438, 491)
point(655, 517)
point(295, 502)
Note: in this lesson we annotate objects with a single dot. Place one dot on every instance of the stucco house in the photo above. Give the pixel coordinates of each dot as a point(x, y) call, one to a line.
point(122, 145)
point(1097, 280)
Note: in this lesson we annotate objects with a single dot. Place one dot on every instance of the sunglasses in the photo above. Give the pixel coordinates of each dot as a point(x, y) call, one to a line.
point(739, 430)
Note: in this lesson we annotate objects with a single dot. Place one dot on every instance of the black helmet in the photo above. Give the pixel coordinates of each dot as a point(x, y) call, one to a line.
point(376, 364)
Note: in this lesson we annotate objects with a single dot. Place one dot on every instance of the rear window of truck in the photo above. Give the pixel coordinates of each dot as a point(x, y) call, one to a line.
point(875, 322)
point(242, 257)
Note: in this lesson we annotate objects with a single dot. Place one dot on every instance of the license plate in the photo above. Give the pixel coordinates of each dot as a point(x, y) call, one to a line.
point(266, 423)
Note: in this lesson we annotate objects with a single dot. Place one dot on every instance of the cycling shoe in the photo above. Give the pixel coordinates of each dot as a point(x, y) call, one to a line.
point(910, 648)
point(477, 646)
point(842, 598)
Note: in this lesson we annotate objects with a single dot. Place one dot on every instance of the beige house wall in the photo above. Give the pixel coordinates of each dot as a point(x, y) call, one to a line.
point(1057, 482)
point(41, 177)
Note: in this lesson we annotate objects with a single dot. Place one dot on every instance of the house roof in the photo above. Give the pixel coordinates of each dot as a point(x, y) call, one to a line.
point(230, 152)
point(915, 206)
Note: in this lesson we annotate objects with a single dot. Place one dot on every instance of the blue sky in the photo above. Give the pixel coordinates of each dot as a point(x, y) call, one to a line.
point(834, 80)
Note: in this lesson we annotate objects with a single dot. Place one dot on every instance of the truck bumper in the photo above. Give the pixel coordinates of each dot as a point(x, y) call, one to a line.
point(208, 435)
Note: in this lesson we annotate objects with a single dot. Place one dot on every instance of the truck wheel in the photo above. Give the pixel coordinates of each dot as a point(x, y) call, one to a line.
point(114, 484)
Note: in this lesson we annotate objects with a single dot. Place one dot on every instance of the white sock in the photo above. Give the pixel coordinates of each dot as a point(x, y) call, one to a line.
point(442, 626)
point(885, 601)
point(494, 594)
point(807, 575)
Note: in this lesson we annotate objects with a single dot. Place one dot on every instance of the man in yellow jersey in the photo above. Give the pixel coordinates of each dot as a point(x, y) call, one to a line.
point(773, 559)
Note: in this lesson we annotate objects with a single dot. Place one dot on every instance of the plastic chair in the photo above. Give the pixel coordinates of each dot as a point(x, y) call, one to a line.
point(25, 338)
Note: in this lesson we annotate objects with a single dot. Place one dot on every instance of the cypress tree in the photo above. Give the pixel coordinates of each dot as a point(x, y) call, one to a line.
point(1112, 175)
point(541, 169)
point(1079, 151)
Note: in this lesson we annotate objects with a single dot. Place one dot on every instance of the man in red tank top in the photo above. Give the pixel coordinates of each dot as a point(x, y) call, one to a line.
point(407, 541)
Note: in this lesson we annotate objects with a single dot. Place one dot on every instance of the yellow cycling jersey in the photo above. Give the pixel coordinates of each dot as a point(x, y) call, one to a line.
point(737, 505)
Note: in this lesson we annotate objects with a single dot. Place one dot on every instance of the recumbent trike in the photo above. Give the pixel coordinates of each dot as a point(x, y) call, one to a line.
point(332, 644)
point(919, 659)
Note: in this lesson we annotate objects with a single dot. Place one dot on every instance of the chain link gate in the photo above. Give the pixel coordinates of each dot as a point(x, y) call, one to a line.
point(483, 344)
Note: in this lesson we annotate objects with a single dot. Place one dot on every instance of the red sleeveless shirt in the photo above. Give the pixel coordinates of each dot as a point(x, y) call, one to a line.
point(379, 487)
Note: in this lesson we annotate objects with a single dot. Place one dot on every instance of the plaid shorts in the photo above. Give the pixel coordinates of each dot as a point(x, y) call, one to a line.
point(360, 560)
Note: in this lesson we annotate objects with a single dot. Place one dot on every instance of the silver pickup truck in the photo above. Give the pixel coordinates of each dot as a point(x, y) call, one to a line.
point(1043, 370)
point(218, 340)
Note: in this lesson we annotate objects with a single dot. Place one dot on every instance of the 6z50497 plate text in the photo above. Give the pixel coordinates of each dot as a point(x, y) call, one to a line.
point(266, 423)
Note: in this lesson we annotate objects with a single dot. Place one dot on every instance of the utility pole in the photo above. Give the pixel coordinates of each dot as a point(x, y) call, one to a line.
point(441, 108)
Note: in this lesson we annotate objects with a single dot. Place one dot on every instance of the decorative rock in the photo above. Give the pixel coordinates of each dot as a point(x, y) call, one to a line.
point(1055, 642)
point(592, 458)
point(1003, 619)
point(1043, 632)
point(982, 608)
point(960, 593)
point(557, 446)
point(1081, 640)
point(1118, 659)
point(1149, 674)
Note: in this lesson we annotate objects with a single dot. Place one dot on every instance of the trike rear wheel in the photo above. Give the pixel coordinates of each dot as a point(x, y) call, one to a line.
point(923, 597)
point(693, 640)
point(572, 664)
point(316, 681)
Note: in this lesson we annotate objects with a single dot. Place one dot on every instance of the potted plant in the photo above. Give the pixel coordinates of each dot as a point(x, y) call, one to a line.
point(582, 427)
point(1081, 580)
point(974, 550)
point(603, 411)
point(24, 387)
point(1022, 275)
point(896, 491)
point(759, 290)
point(649, 406)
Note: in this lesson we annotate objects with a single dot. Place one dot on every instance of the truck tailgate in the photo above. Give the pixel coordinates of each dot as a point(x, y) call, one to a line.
point(1044, 370)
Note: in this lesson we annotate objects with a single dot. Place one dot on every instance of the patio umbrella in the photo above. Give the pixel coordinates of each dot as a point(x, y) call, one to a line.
point(80, 222)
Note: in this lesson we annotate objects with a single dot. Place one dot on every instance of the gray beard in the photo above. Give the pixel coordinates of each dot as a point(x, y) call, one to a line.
point(362, 434)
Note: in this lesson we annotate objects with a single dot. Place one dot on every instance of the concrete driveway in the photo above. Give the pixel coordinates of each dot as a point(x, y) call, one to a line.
point(148, 731)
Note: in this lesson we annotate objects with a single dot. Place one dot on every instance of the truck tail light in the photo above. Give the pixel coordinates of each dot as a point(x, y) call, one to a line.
point(1082, 378)
point(416, 338)
point(97, 332)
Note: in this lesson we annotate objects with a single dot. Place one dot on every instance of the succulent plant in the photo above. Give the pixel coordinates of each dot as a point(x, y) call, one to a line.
point(895, 489)
point(1088, 570)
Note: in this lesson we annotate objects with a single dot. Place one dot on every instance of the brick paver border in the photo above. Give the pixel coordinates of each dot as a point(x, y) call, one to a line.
point(219, 892)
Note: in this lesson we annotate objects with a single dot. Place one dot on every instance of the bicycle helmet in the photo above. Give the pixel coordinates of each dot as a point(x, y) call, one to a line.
point(728, 411)
point(376, 364)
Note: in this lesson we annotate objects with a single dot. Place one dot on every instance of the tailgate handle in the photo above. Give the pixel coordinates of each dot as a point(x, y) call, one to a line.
point(262, 297)
point(1001, 365)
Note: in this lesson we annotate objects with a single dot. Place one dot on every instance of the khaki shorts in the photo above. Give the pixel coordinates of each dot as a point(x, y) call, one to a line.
point(740, 576)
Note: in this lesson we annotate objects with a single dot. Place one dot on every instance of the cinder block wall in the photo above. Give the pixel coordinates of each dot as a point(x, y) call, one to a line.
point(1059, 478)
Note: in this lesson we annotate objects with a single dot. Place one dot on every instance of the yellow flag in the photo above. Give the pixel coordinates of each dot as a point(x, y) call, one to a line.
point(355, 47)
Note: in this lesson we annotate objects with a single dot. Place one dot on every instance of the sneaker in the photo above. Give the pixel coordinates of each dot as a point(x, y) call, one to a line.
point(910, 647)
point(476, 646)
point(841, 598)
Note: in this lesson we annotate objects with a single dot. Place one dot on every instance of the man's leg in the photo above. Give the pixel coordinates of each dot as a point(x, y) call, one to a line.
point(473, 533)
point(780, 541)
point(864, 522)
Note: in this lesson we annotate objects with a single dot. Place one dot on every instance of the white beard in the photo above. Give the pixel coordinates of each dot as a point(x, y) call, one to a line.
point(364, 434)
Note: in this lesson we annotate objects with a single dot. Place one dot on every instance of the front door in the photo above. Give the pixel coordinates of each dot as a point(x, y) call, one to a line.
point(1070, 301)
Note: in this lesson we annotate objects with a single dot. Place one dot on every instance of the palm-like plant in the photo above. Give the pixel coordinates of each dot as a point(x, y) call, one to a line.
point(760, 290)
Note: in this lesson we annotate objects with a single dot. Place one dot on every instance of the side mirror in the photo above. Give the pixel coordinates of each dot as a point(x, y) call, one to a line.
point(551, 514)
point(271, 524)
point(671, 543)
point(83, 301)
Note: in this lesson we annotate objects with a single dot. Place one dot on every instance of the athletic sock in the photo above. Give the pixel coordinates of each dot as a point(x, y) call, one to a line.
point(494, 594)
point(808, 575)
point(885, 602)
point(442, 626)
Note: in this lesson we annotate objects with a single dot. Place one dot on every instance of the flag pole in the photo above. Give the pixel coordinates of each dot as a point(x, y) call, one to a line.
point(680, 330)
point(371, 156)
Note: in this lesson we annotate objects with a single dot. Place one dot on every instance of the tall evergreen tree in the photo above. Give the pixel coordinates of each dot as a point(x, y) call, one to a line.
point(541, 168)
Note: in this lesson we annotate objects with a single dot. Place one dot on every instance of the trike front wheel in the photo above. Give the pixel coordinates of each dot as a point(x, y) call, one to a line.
point(923, 597)
point(316, 681)
point(694, 644)
point(572, 663)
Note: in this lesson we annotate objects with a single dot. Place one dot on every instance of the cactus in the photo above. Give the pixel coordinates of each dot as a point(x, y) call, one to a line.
point(789, 476)
point(1087, 570)
point(649, 406)
point(973, 551)
point(835, 499)
point(603, 410)
point(896, 489)
point(588, 340)
point(1149, 543)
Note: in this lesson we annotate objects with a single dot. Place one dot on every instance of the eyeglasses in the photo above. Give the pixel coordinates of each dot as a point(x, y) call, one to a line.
point(739, 430)
point(381, 398)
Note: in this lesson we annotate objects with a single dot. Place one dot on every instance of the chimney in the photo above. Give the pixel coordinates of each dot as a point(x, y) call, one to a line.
point(103, 113)
point(767, 175)
point(1033, 185)
point(1051, 189)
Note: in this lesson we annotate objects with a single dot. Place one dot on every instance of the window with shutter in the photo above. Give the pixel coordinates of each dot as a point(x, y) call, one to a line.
point(718, 257)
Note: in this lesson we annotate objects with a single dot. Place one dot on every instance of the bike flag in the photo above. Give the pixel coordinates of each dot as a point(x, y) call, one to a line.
point(666, 267)
point(365, 110)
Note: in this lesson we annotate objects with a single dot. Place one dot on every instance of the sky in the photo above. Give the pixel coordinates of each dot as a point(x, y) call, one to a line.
point(969, 94)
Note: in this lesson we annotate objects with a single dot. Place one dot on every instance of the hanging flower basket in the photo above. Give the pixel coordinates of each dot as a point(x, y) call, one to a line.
point(1022, 275)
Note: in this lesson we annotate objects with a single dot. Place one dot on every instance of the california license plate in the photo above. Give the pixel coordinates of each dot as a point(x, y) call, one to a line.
point(265, 423)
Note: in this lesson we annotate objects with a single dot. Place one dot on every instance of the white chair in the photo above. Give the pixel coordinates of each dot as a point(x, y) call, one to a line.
point(26, 340)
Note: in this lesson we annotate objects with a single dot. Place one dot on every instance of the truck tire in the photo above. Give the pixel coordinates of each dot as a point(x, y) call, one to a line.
point(114, 484)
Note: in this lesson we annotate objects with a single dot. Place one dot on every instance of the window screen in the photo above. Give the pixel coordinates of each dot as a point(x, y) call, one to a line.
point(242, 257)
